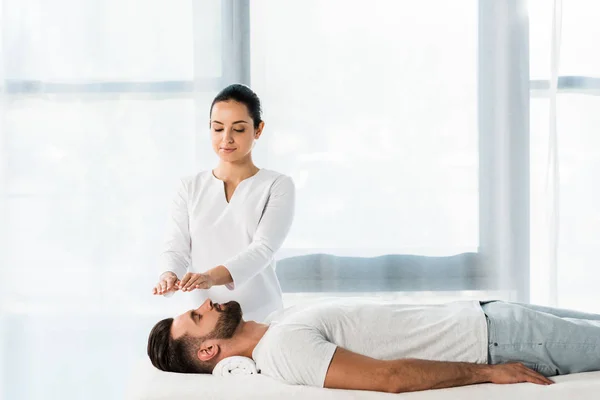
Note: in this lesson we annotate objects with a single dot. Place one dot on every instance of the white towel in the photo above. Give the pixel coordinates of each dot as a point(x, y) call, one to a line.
point(235, 365)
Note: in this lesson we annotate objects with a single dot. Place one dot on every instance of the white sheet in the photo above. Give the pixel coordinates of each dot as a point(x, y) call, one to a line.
point(148, 383)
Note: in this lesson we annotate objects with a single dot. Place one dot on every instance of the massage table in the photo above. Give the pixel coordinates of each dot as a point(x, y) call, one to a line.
point(148, 383)
point(400, 278)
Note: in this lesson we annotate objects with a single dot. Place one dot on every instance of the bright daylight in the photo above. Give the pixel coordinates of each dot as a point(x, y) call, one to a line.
point(299, 199)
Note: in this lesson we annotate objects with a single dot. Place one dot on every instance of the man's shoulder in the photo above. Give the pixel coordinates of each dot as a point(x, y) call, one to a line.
point(294, 353)
point(279, 336)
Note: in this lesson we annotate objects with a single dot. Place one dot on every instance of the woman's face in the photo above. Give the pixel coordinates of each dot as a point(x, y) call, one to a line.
point(232, 131)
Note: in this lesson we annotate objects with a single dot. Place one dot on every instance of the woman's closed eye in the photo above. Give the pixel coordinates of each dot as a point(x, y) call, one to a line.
point(236, 130)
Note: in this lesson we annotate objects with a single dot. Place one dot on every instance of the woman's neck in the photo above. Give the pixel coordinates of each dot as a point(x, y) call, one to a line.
point(235, 172)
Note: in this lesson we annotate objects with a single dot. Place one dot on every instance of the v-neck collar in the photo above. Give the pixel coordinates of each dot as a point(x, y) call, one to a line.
point(222, 183)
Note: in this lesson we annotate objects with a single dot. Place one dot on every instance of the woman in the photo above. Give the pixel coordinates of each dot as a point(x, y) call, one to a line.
point(227, 223)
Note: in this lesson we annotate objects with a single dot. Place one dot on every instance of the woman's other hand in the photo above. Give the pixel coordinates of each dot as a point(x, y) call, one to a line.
point(193, 281)
point(167, 282)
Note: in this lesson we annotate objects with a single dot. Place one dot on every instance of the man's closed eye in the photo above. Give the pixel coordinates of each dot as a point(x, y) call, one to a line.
point(195, 317)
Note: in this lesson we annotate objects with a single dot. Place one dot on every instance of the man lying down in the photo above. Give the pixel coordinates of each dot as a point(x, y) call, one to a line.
point(386, 347)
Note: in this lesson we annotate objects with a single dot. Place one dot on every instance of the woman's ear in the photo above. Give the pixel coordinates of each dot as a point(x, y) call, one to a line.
point(208, 351)
point(259, 130)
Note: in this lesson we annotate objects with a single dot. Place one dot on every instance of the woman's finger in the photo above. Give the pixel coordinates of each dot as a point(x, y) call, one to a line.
point(163, 286)
point(184, 283)
point(191, 283)
point(176, 284)
point(202, 284)
point(170, 283)
point(185, 279)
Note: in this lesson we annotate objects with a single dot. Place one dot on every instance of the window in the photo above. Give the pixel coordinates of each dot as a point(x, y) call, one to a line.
point(372, 107)
point(572, 284)
point(101, 105)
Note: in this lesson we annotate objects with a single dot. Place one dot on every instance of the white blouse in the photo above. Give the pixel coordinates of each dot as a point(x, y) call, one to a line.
point(206, 231)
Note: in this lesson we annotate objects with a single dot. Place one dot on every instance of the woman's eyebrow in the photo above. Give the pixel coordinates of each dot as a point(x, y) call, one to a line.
point(236, 122)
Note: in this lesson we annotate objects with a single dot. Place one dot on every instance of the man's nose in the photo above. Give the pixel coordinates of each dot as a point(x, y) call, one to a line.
point(207, 305)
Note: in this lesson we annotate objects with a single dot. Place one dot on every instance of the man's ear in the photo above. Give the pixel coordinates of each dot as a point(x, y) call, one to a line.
point(259, 130)
point(208, 350)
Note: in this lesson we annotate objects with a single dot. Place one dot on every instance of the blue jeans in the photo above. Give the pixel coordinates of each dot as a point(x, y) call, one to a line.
point(548, 340)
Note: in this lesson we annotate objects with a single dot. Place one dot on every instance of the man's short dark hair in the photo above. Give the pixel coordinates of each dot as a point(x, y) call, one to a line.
point(174, 355)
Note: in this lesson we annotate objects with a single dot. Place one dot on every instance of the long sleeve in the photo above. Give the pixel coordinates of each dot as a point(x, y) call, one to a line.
point(272, 230)
point(177, 245)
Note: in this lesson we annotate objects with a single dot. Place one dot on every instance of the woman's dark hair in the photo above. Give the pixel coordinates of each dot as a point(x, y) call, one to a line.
point(242, 94)
point(174, 355)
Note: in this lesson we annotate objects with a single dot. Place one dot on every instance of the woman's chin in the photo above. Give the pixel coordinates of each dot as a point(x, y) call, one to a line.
point(228, 158)
point(231, 157)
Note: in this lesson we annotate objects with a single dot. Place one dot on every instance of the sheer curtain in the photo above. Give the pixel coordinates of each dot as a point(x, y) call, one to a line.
point(405, 126)
point(372, 107)
point(402, 124)
point(565, 109)
point(104, 105)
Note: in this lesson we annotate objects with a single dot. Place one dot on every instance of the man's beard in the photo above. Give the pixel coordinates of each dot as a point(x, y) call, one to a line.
point(229, 320)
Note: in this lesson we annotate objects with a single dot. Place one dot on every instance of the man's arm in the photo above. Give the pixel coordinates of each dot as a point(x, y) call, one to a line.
point(349, 370)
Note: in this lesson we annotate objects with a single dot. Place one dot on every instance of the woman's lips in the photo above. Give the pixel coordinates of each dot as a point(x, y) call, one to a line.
point(227, 150)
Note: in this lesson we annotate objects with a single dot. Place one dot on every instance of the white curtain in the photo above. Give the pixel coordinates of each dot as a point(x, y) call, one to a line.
point(104, 105)
point(565, 109)
point(552, 176)
point(374, 108)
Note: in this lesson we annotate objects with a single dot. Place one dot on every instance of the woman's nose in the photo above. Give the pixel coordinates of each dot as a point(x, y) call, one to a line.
point(227, 136)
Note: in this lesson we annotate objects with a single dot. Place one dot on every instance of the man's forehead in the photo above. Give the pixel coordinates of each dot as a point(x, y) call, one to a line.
point(178, 328)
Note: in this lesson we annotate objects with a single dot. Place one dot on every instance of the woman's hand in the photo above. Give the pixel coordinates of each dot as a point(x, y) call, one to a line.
point(193, 281)
point(167, 282)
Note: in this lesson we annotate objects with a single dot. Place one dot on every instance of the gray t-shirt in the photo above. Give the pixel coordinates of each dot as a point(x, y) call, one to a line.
point(301, 341)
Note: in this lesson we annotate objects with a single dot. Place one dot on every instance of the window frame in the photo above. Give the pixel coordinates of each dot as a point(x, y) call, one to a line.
point(504, 144)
